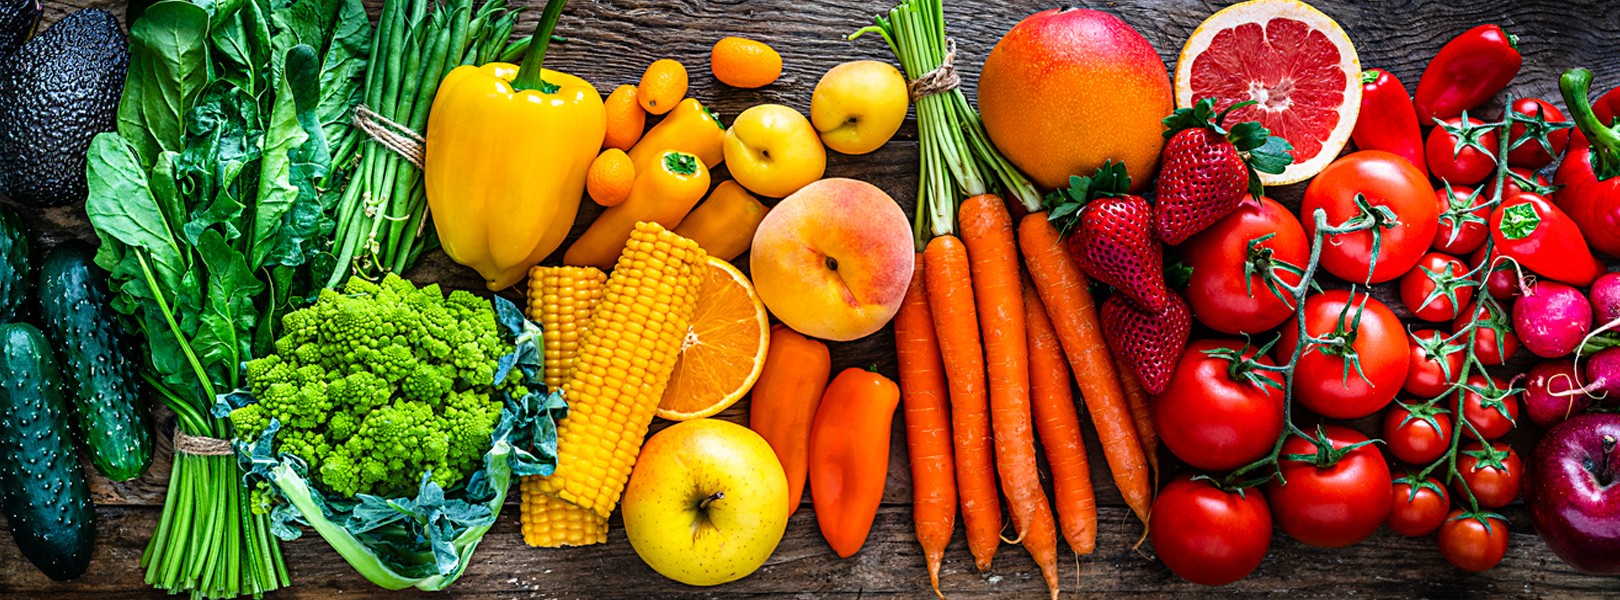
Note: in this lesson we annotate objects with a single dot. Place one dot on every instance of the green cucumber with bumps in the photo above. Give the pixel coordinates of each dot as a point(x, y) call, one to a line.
point(42, 488)
point(102, 382)
point(16, 280)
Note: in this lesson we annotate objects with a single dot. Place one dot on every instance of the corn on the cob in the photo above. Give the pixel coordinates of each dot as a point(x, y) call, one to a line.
point(624, 365)
point(561, 300)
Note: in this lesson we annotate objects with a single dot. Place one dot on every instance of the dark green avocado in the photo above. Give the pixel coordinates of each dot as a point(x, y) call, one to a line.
point(56, 93)
point(17, 21)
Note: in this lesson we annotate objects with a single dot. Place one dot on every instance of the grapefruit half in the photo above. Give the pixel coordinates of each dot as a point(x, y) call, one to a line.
point(1296, 62)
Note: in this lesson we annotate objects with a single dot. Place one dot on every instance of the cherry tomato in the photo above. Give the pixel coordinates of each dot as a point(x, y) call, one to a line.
point(1461, 230)
point(1377, 341)
point(1492, 476)
point(1435, 364)
point(1494, 343)
point(1222, 295)
point(1209, 536)
point(1331, 506)
point(1531, 153)
point(1493, 413)
point(1383, 179)
point(1512, 185)
point(1503, 283)
point(1469, 544)
point(1416, 433)
point(1468, 164)
point(1432, 290)
point(1417, 510)
point(1215, 422)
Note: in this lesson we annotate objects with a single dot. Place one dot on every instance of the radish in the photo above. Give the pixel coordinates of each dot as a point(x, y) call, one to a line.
point(1552, 319)
point(1605, 296)
point(1541, 388)
point(1603, 371)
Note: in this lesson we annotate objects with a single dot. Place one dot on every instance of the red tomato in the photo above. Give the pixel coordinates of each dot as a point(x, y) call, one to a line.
point(1461, 230)
point(1513, 186)
point(1220, 293)
point(1531, 153)
point(1493, 413)
point(1417, 510)
point(1492, 476)
point(1468, 164)
point(1377, 340)
point(1215, 422)
point(1469, 544)
point(1384, 179)
point(1332, 506)
point(1432, 290)
point(1209, 536)
point(1435, 364)
point(1503, 284)
point(1494, 343)
point(1416, 433)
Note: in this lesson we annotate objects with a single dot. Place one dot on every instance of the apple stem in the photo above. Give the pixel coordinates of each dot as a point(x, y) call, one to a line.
point(704, 505)
point(1603, 474)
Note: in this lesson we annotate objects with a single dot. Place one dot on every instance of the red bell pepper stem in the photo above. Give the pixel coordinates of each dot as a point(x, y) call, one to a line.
point(1466, 72)
point(1605, 139)
point(528, 76)
point(1387, 120)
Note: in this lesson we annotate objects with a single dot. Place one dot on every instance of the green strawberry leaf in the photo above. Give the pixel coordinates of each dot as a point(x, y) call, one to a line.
point(1273, 156)
point(1201, 115)
point(1063, 209)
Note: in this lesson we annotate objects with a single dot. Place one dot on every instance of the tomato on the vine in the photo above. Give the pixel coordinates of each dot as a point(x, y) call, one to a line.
point(1503, 283)
point(1473, 543)
point(1435, 364)
point(1487, 405)
point(1462, 219)
point(1549, 123)
point(1436, 287)
point(1207, 535)
point(1324, 382)
point(1494, 342)
point(1460, 151)
point(1213, 421)
point(1417, 433)
point(1330, 506)
point(1228, 290)
point(1417, 508)
point(1385, 180)
point(1517, 180)
point(1493, 475)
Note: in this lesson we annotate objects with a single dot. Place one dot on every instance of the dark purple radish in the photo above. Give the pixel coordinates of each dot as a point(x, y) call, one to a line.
point(1603, 373)
point(1541, 388)
point(1552, 319)
point(1605, 296)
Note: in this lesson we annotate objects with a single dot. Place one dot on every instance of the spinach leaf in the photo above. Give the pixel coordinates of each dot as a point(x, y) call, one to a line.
point(224, 340)
point(283, 136)
point(168, 68)
point(242, 50)
point(343, 76)
point(222, 148)
point(121, 206)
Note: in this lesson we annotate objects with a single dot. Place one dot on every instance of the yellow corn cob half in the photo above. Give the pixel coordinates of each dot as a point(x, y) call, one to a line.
point(623, 366)
point(561, 300)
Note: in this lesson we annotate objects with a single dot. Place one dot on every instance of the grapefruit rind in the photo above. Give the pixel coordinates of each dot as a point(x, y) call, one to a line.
point(694, 343)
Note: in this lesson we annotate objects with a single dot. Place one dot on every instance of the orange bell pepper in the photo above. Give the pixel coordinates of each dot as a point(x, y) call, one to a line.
point(849, 456)
point(691, 128)
point(785, 399)
point(724, 225)
point(663, 194)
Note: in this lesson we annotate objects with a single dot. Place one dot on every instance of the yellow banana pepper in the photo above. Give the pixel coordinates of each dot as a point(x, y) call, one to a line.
point(662, 194)
point(724, 225)
point(691, 128)
point(507, 153)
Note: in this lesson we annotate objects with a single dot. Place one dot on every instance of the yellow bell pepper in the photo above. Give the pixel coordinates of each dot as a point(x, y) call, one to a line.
point(508, 149)
point(691, 128)
point(724, 224)
point(663, 194)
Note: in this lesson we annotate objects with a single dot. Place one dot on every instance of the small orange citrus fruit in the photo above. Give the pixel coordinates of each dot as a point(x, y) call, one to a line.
point(610, 177)
point(625, 118)
point(744, 63)
point(662, 86)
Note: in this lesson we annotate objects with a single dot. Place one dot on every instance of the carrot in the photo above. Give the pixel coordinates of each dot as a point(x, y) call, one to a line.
point(1042, 545)
point(1058, 422)
point(928, 425)
point(1137, 399)
point(987, 231)
point(1063, 288)
point(956, 322)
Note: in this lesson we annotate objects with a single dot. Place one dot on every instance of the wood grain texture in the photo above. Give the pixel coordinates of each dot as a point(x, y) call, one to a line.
point(612, 41)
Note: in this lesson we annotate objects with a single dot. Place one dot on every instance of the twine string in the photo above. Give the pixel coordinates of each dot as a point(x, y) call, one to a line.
point(942, 79)
point(392, 135)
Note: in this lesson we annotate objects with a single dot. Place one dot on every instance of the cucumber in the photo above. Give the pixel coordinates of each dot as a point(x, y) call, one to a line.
point(113, 420)
point(15, 280)
point(42, 489)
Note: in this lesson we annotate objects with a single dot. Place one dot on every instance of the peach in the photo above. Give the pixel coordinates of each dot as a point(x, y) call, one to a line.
point(833, 260)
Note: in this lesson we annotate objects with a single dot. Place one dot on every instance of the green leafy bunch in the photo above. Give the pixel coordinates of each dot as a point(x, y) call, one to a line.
point(379, 383)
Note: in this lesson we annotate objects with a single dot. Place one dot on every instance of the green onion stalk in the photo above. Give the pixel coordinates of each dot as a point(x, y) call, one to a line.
point(958, 160)
point(382, 222)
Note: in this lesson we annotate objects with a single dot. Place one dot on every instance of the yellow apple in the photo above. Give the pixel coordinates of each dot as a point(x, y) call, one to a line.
point(858, 105)
point(706, 503)
point(773, 151)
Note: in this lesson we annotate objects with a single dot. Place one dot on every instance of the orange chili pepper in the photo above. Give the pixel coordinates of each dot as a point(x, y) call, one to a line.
point(785, 400)
point(849, 456)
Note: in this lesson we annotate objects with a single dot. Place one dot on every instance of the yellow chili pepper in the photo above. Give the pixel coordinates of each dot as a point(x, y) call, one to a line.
point(724, 224)
point(507, 153)
point(691, 128)
point(663, 194)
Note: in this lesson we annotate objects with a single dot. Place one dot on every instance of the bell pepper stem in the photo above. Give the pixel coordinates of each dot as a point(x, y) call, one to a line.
point(528, 77)
point(1605, 139)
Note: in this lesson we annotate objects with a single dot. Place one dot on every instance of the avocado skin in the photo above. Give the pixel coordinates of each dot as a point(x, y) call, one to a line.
point(18, 18)
point(58, 92)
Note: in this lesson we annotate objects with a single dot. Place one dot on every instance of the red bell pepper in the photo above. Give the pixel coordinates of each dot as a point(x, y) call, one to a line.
point(1468, 71)
point(849, 456)
point(1590, 172)
point(1387, 120)
point(1528, 228)
point(1607, 109)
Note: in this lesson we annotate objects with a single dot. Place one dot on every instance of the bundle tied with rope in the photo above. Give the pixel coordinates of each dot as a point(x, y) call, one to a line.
point(938, 81)
point(197, 445)
point(400, 139)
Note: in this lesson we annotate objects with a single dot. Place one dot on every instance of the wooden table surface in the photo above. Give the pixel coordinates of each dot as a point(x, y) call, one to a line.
point(611, 42)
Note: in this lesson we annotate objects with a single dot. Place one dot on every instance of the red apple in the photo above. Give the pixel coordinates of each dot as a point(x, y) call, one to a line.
point(1573, 493)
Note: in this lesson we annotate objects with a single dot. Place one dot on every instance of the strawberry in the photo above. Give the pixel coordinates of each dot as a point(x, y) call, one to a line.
point(1150, 342)
point(1109, 234)
point(1208, 168)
